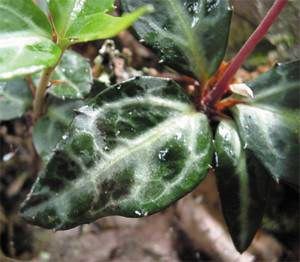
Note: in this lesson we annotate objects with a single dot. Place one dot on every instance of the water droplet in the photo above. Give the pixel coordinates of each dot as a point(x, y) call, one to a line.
point(118, 87)
point(161, 61)
point(162, 154)
point(178, 136)
point(245, 146)
point(8, 156)
point(142, 40)
point(118, 132)
point(217, 160)
point(106, 148)
point(137, 212)
point(64, 137)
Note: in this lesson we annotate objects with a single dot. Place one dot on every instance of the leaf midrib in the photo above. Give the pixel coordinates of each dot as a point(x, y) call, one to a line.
point(124, 153)
point(268, 93)
point(27, 21)
point(196, 57)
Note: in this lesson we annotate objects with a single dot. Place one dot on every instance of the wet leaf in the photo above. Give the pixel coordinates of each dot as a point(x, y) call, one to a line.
point(25, 39)
point(15, 99)
point(72, 77)
point(137, 148)
point(188, 35)
point(49, 130)
point(269, 124)
point(81, 21)
point(243, 184)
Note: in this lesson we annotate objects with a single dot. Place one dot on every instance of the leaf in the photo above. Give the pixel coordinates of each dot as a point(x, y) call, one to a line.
point(188, 35)
point(269, 125)
point(73, 77)
point(25, 39)
point(81, 21)
point(49, 130)
point(43, 5)
point(15, 99)
point(243, 185)
point(137, 148)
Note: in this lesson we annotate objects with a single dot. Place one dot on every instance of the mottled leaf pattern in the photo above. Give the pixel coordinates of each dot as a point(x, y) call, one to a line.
point(243, 184)
point(15, 99)
point(269, 125)
point(189, 35)
point(137, 148)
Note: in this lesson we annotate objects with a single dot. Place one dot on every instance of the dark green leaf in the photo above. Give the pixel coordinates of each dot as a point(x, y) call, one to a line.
point(137, 148)
point(74, 76)
point(15, 99)
point(25, 39)
point(81, 21)
point(242, 183)
point(49, 130)
point(189, 35)
point(269, 125)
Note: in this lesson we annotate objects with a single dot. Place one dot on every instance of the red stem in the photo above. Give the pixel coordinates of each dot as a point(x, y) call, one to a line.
point(222, 85)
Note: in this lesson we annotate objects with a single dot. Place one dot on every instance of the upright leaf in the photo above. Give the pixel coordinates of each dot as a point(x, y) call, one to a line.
point(49, 130)
point(137, 148)
point(189, 35)
point(25, 39)
point(72, 77)
point(15, 99)
point(269, 125)
point(81, 21)
point(242, 183)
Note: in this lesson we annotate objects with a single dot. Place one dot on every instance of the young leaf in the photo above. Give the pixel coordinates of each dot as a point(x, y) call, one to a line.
point(137, 148)
point(189, 35)
point(81, 21)
point(25, 39)
point(15, 99)
point(49, 130)
point(269, 125)
point(73, 77)
point(242, 183)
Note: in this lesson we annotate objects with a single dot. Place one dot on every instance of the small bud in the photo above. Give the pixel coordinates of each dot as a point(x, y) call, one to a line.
point(242, 90)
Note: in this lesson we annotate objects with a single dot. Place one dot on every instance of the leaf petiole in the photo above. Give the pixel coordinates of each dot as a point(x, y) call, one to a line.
point(222, 85)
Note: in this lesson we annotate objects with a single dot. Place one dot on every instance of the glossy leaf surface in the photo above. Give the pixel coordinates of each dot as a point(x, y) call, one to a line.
point(81, 21)
point(243, 185)
point(15, 99)
point(269, 125)
point(137, 148)
point(72, 77)
point(189, 35)
point(49, 130)
point(25, 39)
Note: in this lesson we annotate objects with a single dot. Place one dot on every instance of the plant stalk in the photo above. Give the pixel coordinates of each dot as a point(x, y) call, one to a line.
point(39, 99)
point(222, 85)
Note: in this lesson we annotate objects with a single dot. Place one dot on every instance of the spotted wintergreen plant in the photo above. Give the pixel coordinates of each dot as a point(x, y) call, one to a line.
point(138, 146)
